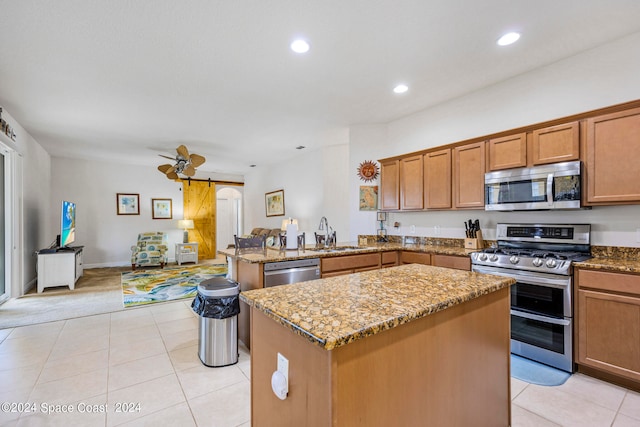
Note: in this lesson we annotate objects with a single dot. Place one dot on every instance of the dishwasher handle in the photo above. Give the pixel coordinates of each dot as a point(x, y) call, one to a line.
point(290, 275)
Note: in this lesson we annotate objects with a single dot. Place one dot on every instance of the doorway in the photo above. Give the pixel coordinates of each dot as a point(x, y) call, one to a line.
point(4, 292)
point(229, 214)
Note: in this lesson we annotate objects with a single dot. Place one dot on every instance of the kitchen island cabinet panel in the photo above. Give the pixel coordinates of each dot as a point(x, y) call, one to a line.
point(249, 276)
point(613, 158)
point(389, 259)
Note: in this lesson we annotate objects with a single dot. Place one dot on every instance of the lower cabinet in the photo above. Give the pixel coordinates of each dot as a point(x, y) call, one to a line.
point(609, 322)
point(408, 257)
point(389, 259)
point(347, 264)
point(451, 261)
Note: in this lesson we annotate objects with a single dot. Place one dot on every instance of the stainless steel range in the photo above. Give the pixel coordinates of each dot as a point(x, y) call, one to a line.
point(539, 257)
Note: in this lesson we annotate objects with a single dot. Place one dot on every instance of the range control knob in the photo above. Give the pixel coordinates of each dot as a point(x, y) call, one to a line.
point(551, 263)
point(514, 259)
point(537, 262)
point(493, 258)
point(482, 257)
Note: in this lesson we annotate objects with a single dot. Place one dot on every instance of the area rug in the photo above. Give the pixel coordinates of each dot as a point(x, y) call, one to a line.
point(536, 373)
point(152, 286)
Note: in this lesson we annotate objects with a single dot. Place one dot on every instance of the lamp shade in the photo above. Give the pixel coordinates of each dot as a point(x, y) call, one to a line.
point(185, 224)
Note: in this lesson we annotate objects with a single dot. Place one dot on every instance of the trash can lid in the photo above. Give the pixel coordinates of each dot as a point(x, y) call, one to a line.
point(218, 287)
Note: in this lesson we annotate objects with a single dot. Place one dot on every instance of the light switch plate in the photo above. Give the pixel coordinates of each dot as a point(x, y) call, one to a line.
point(283, 366)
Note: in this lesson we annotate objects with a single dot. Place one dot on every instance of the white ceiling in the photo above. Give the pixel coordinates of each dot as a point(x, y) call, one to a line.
point(128, 80)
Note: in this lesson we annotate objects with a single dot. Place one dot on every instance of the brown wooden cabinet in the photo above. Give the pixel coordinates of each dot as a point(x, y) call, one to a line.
point(609, 322)
point(508, 152)
point(613, 158)
point(411, 183)
point(390, 185)
point(451, 261)
point(468, 175)
point(408, 257)
point(437, 179)
point(389, 259)
point(555, 144)
point(347, 264)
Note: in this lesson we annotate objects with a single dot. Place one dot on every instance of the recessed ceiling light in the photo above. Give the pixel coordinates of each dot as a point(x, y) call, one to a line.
point(299, 46)
point(508, 39)
point(252, 166)
point(300, 147)
point(401, 88)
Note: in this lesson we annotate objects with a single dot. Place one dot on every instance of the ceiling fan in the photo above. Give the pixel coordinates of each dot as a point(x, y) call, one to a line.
point(186, 163)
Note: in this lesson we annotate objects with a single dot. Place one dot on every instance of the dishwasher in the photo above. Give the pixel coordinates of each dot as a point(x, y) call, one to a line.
point(286, 272)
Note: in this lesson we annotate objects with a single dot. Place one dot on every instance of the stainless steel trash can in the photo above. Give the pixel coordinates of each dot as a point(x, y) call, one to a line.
point(217, 304)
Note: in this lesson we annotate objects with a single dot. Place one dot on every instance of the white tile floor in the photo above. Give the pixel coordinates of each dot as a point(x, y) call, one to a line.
point(147, 357)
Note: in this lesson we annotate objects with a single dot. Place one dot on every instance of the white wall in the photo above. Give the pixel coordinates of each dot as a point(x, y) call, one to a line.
point(31, 180)
point(597, 78)
point(314, 186)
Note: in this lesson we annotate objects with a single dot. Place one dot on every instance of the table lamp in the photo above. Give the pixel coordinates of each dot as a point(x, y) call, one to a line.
point(186, 224)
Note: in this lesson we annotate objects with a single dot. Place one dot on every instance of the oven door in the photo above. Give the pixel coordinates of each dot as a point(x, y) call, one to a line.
point(541, 338)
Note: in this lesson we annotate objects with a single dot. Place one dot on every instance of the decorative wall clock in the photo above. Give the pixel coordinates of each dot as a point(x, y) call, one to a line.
point(368, 171)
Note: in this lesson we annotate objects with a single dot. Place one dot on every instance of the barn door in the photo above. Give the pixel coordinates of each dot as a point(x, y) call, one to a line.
point(200, 206)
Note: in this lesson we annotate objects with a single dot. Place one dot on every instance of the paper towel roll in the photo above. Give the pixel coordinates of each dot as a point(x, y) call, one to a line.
point(292, 236)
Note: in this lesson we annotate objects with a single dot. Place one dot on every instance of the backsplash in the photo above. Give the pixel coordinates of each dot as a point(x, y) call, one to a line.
point(419, 240)
point(615, 252)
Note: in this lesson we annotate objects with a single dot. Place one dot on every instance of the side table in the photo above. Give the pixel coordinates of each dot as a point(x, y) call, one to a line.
point(186, 252)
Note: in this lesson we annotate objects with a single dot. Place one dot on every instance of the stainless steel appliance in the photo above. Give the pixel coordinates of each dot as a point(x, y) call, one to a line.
point(539, 257)
point(554, 186)
point(286, 272)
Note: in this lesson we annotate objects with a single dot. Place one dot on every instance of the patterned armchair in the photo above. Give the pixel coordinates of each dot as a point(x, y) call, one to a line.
point(151, 249)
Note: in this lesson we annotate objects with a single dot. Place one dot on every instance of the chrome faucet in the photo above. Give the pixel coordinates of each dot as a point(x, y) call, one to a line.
point(329, 235)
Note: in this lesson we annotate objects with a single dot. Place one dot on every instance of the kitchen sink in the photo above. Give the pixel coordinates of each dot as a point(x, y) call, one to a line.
point(336, 249)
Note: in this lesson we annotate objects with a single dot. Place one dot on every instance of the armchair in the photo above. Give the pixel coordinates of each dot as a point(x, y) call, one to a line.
point(150, 250)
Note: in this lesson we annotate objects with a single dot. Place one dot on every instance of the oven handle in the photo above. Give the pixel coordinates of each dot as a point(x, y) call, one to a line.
point(550, 189)
point(544, 319)
point(563, 283)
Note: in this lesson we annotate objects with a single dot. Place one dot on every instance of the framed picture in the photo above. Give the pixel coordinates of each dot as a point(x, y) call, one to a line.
point(161, 209)
point(368, 197)
point(274, 203)
point(128, 204)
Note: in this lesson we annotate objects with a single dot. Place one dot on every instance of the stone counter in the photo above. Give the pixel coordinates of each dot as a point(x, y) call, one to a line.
point(336, 311)
point(612, 258)
point(275, 255)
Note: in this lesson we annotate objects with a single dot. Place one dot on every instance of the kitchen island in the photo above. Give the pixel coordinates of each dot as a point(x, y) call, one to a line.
point(409, 345)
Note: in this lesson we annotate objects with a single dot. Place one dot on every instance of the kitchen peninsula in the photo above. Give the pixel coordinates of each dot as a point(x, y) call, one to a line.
point(407, 345)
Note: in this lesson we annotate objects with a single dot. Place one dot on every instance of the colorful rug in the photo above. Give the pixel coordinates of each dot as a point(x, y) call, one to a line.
point(150, 286)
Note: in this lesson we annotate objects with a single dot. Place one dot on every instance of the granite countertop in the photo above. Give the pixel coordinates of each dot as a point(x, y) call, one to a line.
point(612, 258)
point(611, 264)
point(335, 311)
point(348, 248)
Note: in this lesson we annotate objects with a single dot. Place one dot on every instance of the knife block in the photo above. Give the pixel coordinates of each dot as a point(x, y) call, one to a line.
point(475, 243)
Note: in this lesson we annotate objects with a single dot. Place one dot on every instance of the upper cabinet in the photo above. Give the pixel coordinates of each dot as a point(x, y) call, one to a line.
point(613, 158)
point(508, 152)
point(555, 144)
point(390, 185)
point(411, 183)
point(437, 179)
point(468, 176)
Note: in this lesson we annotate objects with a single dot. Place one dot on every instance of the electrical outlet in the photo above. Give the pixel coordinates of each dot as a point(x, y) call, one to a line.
point(638, 235)
point(412, 229)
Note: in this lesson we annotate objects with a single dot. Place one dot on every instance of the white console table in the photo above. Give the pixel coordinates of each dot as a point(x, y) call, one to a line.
point(186, 252)
point(61, 268)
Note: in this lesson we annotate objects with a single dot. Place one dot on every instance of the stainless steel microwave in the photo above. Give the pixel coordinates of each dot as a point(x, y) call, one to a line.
point(554, 186)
